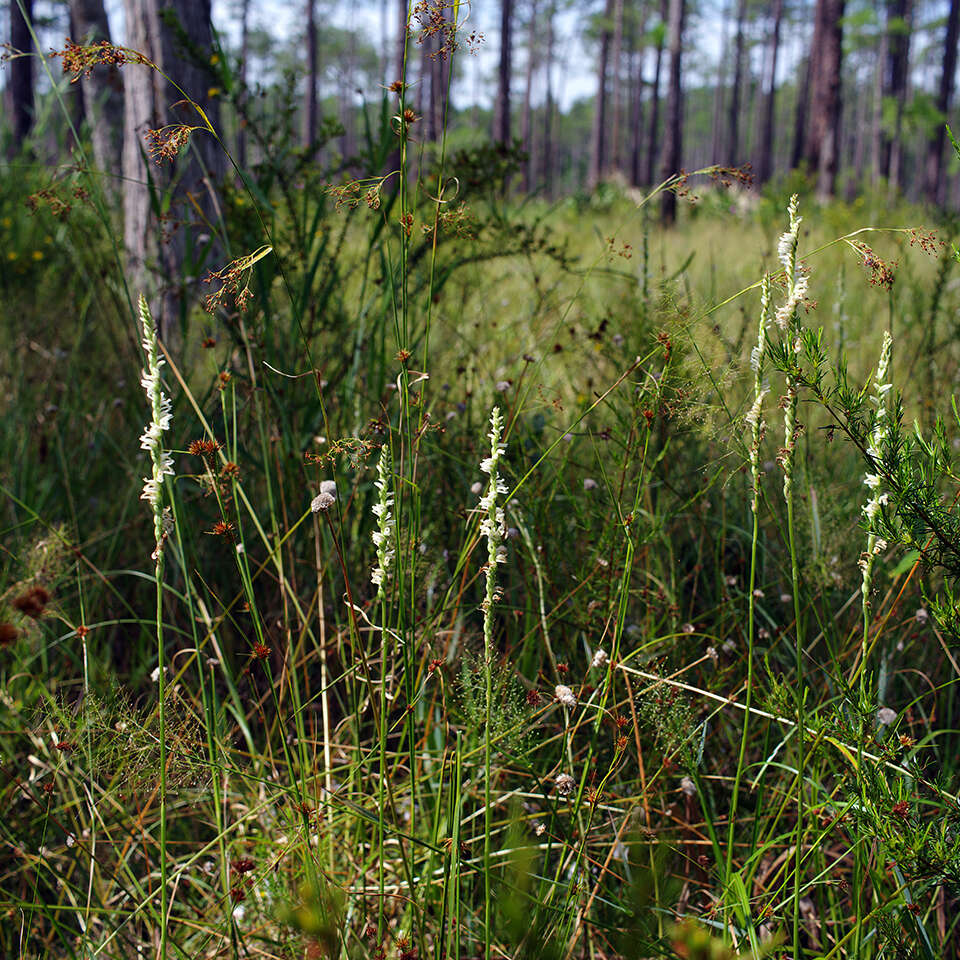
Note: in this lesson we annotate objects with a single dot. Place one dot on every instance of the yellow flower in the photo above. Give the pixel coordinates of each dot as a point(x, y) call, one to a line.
point(215, 58)
point(12, 255)
point(213, 92)
point(37, 254)
point(7, 222)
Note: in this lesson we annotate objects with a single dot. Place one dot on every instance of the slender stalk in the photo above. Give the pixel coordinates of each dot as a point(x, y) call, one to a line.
point(755, 419)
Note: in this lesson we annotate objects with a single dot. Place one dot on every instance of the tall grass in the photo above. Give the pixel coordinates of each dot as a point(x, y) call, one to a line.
point(486, 616)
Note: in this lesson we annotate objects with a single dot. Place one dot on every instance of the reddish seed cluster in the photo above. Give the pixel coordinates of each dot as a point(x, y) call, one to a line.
point(166, 143)
point(80, 60)
point(81, 631)
point(222, 528)
point(230, 470)
point(926, 240)
point(901, 809)
point(881, 272)
point(242, 865)
point(203, 447)
point(234, 283)
point(32, 603)
point(533, 698)
point(260, 651)
point(8, 633)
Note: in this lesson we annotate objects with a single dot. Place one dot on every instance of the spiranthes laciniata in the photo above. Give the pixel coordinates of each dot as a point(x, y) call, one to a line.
point(492, 525)
point(872, 480)
point(787, 254)
point(384, 536)
point(152, 438)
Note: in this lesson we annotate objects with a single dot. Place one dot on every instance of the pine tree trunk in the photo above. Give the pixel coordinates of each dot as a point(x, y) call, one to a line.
point(934, 185)
point(765, 162)
point(548, 105)
point(502, 130)
point(899, 14)
point(598, 138)
point(242, 77)
point(616, 86)
point(21, 72)
point(526, 132)
point(310, 119)
point(178, 38)
point(102, 90)
point(822, 153)
point(673, 143)
point(801, 109)
point(653, 130)
point(716, 143)
point(733, 115)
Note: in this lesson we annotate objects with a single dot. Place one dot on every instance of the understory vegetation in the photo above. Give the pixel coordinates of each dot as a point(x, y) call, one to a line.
point(491, 577)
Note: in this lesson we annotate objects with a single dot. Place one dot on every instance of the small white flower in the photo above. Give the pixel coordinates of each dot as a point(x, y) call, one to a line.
point(539, 829)
point(688, 787)
point(476, 488)
point(921, 615)
point(565, 784)
point(502, 386)
point(886, 716)
point(239, 912)
point(688, 628)
point(589, 484)
point(565, 696)
point(322, 501)
point(600, 659)
point(330, 487)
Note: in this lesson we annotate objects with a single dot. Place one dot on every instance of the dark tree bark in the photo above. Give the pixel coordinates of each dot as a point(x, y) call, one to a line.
point(638, 31)
point(716, 142)
point(733, 113)
point(310, 118)
point(102, 90)
point(598, 137)
point(934, 185)
point(548, 105)
point(616, 86)
point(526, 128)
point(800, 113)
point(21, 71)
point(822, 153)
point(178, 38)
point(242, 77)
point(653, 130)
point(896, 63)
point(673, 141)
point(502, 128)
point(765, 149)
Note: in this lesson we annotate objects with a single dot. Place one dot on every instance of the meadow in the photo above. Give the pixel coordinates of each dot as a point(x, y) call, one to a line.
point(479, 576)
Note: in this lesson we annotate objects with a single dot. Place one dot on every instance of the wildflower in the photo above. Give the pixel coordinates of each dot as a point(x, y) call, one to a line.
point(688, 787)
point(565, 784)
point(502, 386)
point(600, 659)
point(872, 480)
point(492, 526)
point(159, 423)
point(565, 696)
point(589, 484)
point(886, 716)
point(921, 615)
point(688, 628)
point(322, 501)
point(384, 535)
